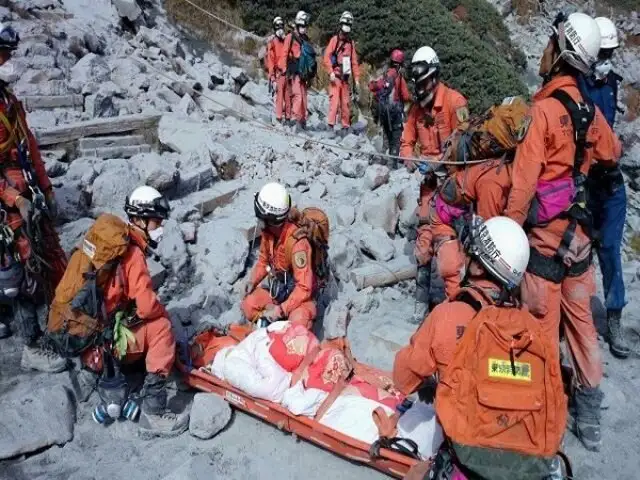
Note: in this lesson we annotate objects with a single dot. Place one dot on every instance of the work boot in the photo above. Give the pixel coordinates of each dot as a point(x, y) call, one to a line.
point(344, 132)
point(300, 127)
point(84, 383)
point(155, 419)
point(586, 424)
point(4, 331)
point(617, 343)
point(43, 358)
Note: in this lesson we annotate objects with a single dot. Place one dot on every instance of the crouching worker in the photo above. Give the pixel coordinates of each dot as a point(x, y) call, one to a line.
point(292, 260)
point(499, 394)
point(127, 323)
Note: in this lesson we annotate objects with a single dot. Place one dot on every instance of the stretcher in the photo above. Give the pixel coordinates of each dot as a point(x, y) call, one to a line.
point(386, 460)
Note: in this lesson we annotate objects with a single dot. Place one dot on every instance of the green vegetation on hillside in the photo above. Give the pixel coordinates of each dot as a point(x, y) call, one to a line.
point(476, 54)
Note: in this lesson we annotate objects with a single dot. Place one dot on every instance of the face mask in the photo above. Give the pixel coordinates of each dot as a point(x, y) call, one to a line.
point(280, 33)
point(8, 72)
point(156, 235)
point(302, 30)
point(346, 28)
point(602, 69)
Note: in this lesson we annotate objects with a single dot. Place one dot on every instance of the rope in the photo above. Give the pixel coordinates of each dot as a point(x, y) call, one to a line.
point(222, 20)
point(271, 128)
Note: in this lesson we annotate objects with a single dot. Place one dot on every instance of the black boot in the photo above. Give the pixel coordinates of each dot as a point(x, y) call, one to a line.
point(156, 420)
point(617, 344)
point(587, 402)
point(423, 289)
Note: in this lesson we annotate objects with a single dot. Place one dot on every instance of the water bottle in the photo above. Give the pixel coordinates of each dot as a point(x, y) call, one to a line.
point(100, 414)
point(131, 410)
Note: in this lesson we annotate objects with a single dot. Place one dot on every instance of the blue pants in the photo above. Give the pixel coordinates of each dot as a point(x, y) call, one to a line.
point(609, 209)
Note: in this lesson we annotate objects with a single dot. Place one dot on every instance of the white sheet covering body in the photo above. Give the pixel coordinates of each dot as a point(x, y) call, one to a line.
point(420, 424)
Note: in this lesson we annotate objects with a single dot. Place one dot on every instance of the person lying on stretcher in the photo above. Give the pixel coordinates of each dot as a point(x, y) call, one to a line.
point(285, 364)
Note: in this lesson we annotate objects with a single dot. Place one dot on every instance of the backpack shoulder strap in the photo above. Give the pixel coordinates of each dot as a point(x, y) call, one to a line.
point(469, 296)
point(582, 114)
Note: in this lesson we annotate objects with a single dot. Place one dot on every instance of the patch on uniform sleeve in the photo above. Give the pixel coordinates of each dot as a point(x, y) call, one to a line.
point(300, 259)
point(463, 114)
point(524, 128)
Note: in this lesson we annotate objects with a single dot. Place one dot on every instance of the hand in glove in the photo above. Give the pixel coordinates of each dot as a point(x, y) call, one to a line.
point(332, 77)
point(52, 205)
point(273, 313)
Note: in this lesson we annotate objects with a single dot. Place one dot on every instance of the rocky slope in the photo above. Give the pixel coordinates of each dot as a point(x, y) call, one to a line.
point(206, 141)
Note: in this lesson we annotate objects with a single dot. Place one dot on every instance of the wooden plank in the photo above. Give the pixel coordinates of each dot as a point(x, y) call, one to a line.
point(101, 126)
point(117, 141)
point(115, 152)
point(381, 274)
point(35, 102)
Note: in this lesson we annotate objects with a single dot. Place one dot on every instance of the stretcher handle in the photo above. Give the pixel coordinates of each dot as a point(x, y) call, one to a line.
point(396, 444)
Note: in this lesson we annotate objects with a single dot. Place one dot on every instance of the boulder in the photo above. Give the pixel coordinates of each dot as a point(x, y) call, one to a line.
point(377, 243)
point(128, 9)
point(94, 43)
point(346, 215)
point(353, 168)
point(344, 254)
point(73, 202)
point(187, 106)
point(375, 176)
point(90, 69)
point(317, 189)
point(55, 168)
point(210, 413)
point(188, 230)
point(382, 212)
point(256, 94)
point(100, 106)
point(38, 419)
point(157, 171)
point(172, 250)
point(169, 46)
point(112, 186)
point(221, 252)
point(168, 95)
point(336, 319)
point(365, 300)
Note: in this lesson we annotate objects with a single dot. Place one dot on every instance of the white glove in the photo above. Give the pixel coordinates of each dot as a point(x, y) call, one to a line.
point(332, 77)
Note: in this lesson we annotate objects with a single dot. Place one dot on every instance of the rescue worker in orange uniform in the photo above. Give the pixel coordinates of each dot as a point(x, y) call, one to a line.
point(291, 280)
point(277, 77)
point(491, 280)
point(436, 112)
point(550, 166)
point(341, 61)
point(30, 245)
point(288, 63)
point(154, 342)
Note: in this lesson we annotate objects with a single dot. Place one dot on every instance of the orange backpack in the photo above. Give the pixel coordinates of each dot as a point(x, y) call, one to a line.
point(313, 224)
point(501, 401)
point(490, 135)
point(76, 316)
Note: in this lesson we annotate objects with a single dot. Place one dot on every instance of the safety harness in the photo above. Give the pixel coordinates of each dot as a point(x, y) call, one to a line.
point(555, 268)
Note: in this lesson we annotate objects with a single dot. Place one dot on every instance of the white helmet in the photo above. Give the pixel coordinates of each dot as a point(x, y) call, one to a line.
point(346, 18)
point(147, 202)
point(302, 18)
point(608, 33)
point(425, 73)
point(501, 247)
point(278, 22)
point(272, 203)
point(582, 34)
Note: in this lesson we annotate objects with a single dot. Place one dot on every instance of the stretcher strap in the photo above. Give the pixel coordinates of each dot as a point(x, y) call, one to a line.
point(333, 395)
point(387, 424)
point(308, 360)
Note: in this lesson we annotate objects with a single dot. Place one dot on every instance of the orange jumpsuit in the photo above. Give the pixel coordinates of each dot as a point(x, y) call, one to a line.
point(154, 340)
point(547, 152)
point(299, 307)
point(275, 52)
point(439, 240)
point(13, 184)
point(431, 126)
point(433, 345)
point(298, 87)
point(486, 185)
point(339, 90)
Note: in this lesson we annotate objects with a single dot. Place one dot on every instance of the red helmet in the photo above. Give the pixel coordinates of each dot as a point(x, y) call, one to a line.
point(397, 56)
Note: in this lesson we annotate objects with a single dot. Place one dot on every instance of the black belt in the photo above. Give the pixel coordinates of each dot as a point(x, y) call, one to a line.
point(553, 269)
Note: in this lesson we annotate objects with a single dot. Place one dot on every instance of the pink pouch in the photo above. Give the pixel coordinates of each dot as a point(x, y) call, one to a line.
point(447, 213)
point(552, 198)
point(456, 474)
